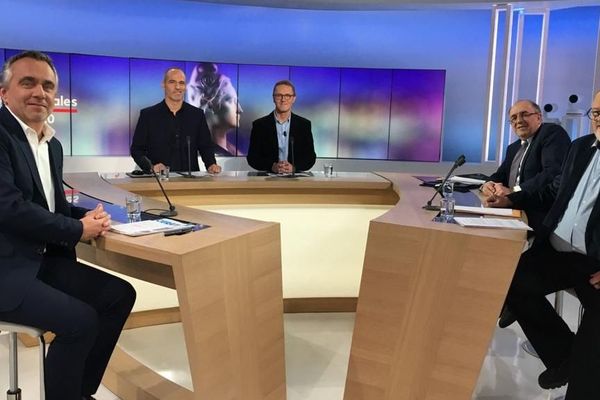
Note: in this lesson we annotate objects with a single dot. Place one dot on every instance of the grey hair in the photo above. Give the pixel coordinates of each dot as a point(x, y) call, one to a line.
point(35, 55)
point(285, 82)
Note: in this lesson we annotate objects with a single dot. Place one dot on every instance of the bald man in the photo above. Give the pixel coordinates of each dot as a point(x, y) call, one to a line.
point(164, 130)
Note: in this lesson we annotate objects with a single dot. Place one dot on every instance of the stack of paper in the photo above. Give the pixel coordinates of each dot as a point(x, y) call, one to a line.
point(149, 227)
point(466, 181)
point(492, 223)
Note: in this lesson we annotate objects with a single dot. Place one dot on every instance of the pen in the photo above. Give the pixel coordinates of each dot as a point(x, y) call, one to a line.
point(180, 231)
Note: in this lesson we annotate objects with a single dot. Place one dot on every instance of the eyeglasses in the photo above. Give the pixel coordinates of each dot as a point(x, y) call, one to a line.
point(523, 114)
point(280, 97)
point(593, 114)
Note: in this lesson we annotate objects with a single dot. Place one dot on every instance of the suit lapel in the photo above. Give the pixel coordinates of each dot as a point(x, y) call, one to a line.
point(14, 128)
point(273, 135)
point(579, 167)
point(573, 176)
point(55, 155)
point(595, 215)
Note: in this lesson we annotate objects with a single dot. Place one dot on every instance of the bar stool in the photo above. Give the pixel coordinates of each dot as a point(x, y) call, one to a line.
point(14, 393)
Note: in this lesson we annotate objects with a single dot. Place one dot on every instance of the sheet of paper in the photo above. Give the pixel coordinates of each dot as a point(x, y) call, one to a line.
point(466, 181)
point(500, 212)
point(492, 223)
point(289, 175)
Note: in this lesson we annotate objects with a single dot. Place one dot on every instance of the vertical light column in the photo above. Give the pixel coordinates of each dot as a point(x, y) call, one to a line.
point(517, 57)
point(504, 73)
point(597, 63)
point(490, 84)
point(542, 61)
point(497, 104)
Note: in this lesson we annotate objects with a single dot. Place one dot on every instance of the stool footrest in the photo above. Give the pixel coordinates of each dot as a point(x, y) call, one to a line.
point(13, 394)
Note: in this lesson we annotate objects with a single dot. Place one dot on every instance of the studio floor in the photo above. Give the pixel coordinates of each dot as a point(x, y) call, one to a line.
point(317, 348)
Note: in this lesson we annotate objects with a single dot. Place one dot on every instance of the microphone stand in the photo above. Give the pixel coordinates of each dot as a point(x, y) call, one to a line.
point(189, 157)
point(171, 212)
point(292, 156)
point(459, 161)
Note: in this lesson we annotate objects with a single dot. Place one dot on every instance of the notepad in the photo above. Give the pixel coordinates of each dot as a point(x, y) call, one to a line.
point(149, 227)
point(493, 223)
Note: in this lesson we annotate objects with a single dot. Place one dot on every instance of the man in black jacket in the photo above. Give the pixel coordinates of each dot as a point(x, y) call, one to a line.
point(282, 141)
point(41, 282)
point(167, 131)
point(565, 254)
point(533, 160)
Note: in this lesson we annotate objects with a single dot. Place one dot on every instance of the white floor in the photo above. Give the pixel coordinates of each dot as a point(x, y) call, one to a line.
point(317, 348)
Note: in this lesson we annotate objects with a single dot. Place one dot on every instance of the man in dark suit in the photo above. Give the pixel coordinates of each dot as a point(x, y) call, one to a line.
point(533, 160)
point(282, 141)
point(565, 254)
point(164, 130)
point(41, 283)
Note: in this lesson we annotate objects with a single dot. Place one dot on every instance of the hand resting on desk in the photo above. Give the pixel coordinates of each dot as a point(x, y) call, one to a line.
point(497, 201)
point(96, 223)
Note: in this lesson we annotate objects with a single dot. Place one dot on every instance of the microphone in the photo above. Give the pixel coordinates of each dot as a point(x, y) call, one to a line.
point(292, 156)
point(148, 166)
point(459, 161)
point(189, 158)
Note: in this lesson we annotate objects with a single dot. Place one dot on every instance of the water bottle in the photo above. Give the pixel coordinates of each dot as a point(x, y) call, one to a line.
point(447, 203)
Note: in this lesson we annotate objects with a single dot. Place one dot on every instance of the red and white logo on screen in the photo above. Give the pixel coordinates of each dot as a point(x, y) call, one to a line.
point(63, 104)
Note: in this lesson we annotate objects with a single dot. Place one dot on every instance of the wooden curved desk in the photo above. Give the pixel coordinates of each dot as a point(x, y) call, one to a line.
point(228, 282)
point(233, 187)
point(429, 297)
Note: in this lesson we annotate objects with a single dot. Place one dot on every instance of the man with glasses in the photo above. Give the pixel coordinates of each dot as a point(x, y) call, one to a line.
point(565, 254)
point(533, 160)
point(282, 141)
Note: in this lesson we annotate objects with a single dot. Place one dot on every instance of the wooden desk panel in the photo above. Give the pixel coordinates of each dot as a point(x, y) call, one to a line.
point(429, 299)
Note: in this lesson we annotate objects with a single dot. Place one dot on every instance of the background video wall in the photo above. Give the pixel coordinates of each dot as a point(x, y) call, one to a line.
point(361, 113)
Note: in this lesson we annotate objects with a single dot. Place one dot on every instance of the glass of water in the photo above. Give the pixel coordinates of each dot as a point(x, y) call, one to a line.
point(133, 204)
point(163, 174)
point(447, 209)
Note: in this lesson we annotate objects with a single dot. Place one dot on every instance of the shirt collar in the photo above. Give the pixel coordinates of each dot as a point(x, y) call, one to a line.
point(284, 122)
point(47, 131)
point(596, 144)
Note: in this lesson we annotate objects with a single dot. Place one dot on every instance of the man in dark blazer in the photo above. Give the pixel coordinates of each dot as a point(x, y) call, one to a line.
point(164, 130)
point(533, 160)
point(565, 254)
point(282, 141)
point(41, 283)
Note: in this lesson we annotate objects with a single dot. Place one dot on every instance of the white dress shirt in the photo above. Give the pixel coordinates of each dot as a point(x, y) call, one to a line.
point(569, 234)
point(39, 148)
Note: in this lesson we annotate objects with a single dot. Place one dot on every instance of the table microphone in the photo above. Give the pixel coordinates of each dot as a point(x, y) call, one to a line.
point(189, 158)
point(171, 212)
point(292, 157)
point(459, 161)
